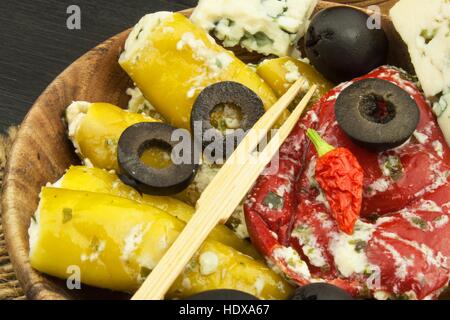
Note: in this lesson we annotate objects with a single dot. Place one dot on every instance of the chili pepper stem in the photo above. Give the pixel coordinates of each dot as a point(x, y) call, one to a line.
point(322, 147)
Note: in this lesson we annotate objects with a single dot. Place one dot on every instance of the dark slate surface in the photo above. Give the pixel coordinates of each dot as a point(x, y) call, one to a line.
point(36, 45)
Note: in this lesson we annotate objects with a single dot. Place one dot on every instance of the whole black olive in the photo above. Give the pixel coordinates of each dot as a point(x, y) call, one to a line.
point(163, 181)
point(321, 291)
point(377, 113)
point(341, 46)
point(218, 111)
point(222, 294)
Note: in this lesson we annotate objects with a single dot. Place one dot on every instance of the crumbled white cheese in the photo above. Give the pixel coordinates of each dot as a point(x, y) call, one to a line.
point(428, 205)
point(56, 184)
point(380, 185)
point(259, 285)
point(309, 245)
point(214, 62)
point(439, 179)
point(311, 172)
point(264, 26)
point(241, 228)
point(75, 114)
point(349, 250)
point(414, 219)
point(139, 35)
point(201, 52)
point(34, 229)
point(139, 104)
point(87, 162)
point(442, 110)
point(314, 117)
point(209, 262)
point(422, 138)
point(94, 255)
point(292, 72)
point(440, 221)
point(186, 283)
point(231, 117)
point(382, 295)
point(133, 240)
point(293, 260)
point(438, 148)
point(325, 220)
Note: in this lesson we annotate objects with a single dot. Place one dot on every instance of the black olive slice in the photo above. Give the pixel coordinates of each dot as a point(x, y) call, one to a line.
point(377, 114)
point(321, 291)
point(146, 179)
point(341, 45)
point(211, 126)
point(222, 294)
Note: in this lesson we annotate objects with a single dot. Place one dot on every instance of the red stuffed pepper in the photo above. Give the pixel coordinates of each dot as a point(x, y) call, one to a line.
point(399, 247)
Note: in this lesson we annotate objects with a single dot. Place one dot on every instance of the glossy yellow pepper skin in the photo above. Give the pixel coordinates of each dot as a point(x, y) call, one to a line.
point(115, 242)
point(101, 181)
point(250, 273)
point(275, 74)
point(177, 61)
point(99, 132)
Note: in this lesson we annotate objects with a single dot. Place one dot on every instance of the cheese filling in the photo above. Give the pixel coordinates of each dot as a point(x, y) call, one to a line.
point(140, 34)
point(75, 114)
point(349, 250)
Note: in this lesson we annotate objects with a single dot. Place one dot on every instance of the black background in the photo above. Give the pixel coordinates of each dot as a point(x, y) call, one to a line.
point(36, 45)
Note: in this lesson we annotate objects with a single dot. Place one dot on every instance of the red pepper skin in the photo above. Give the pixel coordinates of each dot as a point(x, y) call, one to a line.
point(340, 176)
point(424, 251)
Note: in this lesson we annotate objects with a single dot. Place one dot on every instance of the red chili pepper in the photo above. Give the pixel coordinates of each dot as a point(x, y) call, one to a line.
point(340, 176)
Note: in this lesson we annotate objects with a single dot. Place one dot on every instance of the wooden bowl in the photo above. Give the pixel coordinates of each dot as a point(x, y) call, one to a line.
point(42, 152)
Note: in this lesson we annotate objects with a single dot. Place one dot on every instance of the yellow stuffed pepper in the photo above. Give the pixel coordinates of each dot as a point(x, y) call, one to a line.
point(171, 60)
point(95, 129)
point(281, 73)
point(115, 243)
point(101, 181)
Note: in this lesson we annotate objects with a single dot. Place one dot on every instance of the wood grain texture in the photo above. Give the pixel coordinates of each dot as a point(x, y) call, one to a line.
point(37, 45)
point(42, 152)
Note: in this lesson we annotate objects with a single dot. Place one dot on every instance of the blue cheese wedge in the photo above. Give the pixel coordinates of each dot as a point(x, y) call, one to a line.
point(264, 26)
point(428, 41)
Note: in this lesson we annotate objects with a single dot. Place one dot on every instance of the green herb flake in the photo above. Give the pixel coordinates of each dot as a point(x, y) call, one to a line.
point(139, 33)
point(144, 272)
point(428, 35)
point(95, 244)
point(273, 201)
point(422, 224)
point(394, 167)
point(219, 64)
point(67, 215)
point(360, 245)
point(110, 142)
point(262, 39)
point(401, 297)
